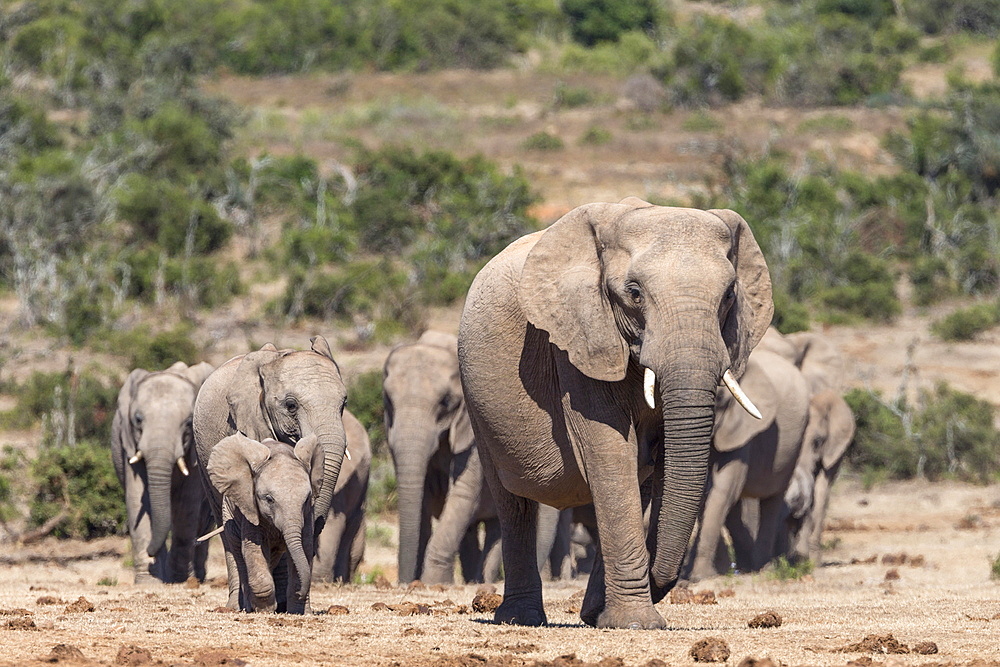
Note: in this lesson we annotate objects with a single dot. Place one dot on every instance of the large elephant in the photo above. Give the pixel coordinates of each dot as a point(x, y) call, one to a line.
point(752, 459)
point(341, 545)
point(152, 450)
point(286, 395)
point(827, 437)
point(267, 506)
point(590, 355)
point(438, 471)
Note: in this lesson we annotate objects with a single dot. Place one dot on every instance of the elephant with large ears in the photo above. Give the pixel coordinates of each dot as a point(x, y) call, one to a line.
point(438, 472)
point(752, 459)
point(152, 447)
point(590, 354)
point(828, 435)
point(267, 506)
point(286, 395)
point(341, 545)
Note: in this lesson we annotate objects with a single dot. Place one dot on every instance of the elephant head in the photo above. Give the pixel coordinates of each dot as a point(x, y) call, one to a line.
point(828, 434)
point(666, 298)
point(268, 490)
point(425, 417)
point(153, 426)
point(289, 395)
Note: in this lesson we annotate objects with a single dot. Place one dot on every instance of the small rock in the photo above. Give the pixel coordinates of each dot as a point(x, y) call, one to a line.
point(81, 605)
point(218, 582)
point(21, 623)
point(892, 575)
point(409, 632)
point(49, 599)
point(222, 610)
point(380, 606)
point(133, 655)
point(338, 610)
point(769, 619)
point(727, 593)
point(192, 582)
point(884, 644)
point(925, 648)
point(382, 583)
point(485, 603)
point(754, 662)
point(710, 649)
point(64, 652)
point(416, 585)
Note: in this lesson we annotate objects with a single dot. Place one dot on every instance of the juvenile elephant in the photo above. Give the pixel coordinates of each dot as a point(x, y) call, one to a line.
point(286, 395)
point(590, 354)
point(267, 508)
point(814, 354)
point(438, 472)
point(341, 545)
point(752, 459)
point(153, 453)
point(827, 437)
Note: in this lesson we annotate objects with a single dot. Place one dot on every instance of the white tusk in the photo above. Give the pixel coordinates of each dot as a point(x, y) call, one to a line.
point(208, 536)
point(183, 466)
point(648, 386)
point(734, 388)
point(347, 453)
point(135, 459)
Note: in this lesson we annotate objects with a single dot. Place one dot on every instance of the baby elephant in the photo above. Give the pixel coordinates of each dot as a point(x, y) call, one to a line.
point(267, 509)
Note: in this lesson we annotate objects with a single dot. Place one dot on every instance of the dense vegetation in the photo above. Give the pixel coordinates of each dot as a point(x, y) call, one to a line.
point(123, 200)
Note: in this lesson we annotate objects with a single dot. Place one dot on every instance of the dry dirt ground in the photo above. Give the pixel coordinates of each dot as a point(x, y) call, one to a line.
point(910, 560)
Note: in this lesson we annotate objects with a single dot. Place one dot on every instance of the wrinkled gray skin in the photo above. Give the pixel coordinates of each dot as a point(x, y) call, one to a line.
point(287, 395)
point(341, 545)
point(438, 471)
point(267, 508)
point(751, 459)
point(555, 334)
point(153, 419)
point(828, 435)
point(819, 360)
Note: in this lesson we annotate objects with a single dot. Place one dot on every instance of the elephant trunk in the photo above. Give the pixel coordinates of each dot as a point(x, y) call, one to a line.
point(300, 560)
point(687, 391)
point(413, 442)
point(333, 441)
point(159, 476)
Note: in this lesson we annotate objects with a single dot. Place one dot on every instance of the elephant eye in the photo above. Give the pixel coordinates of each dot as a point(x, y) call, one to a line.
point(291, 405)
point(635, 294)
point(137, 418)
point(269, 498)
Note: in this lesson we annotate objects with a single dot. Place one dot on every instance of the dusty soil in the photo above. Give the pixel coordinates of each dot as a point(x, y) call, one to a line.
point(940, 538)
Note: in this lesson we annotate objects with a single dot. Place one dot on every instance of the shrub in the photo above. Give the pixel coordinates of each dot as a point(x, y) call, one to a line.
point(382, 494)
point(594, 21)
point(596, 136)
point(957, 436)
point(701, 121)
point(364, 400)
point(542, 141)
point(149, 274)
point(785, 570)
point(90, 398)
point(78, 481)
point(881, 441)
point(965, 323)
point(572, 97)
point(789, 315)
point(159, 350)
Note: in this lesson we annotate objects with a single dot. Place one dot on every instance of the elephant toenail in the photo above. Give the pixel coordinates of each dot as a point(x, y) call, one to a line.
point(634, 626)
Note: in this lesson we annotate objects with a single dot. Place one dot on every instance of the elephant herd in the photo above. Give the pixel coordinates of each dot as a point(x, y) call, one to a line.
point(596, 378)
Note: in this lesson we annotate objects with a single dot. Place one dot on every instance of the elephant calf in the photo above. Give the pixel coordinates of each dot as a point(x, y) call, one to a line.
point(153, 453)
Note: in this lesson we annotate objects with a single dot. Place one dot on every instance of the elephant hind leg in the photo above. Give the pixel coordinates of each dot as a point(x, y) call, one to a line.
point(470, 555)
point(491, 551)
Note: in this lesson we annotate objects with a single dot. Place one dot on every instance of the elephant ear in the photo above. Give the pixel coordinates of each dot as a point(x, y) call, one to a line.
point(244, 394)
point(125, 397)
point(734, 427)
point(231, 467)
point(561, 292)
point(198, 373)
point(842, 426)
point(751, 314)
point(306, 450)
point(320, 346)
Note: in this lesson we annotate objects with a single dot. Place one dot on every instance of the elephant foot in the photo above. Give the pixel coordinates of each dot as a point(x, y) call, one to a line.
point(145, 578)
point(631, 617)
point(520, 612)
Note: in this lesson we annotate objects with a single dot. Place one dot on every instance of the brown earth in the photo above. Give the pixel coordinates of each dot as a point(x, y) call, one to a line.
point(944, 598)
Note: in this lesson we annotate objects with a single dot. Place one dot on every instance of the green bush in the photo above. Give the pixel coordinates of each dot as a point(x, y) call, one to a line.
point(881, 441)
point(789, 315)
point(572, 97)
point(965, 323)
point(208, 281)
point(596, 136)
point(542, 141)
point(594, 21)
point(90, 397)
point(930, 279)
point(364, 400)
point(79, 480)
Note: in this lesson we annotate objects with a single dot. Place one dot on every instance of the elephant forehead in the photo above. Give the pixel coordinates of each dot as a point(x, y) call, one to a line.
point(298, 365)
point(415, 366)
point(162, 390)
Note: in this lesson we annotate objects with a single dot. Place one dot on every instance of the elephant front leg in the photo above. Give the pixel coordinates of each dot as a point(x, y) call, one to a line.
point(522, 597)
point(727, 479)
point(618, 595)
point(260, 589)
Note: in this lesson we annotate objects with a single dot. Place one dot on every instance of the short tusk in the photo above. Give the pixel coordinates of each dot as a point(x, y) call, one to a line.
point(734, 388)
point(183, 466)
point(208, 536)
point(648, 386)
point(135, 459)
point(347, 453)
